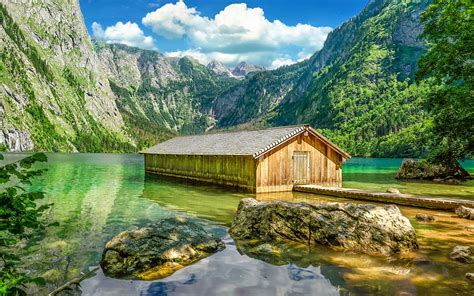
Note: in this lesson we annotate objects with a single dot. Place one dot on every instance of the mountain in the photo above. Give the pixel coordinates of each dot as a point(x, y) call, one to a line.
point(159, 96)
point(358, 88)
point(54, 93)
point(61, 92)
point(242, 69)
point(239, 71)
point(219, 68)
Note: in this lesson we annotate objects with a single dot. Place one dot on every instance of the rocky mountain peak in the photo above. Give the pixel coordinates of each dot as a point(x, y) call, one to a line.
point(242, 69)
point(219, 68)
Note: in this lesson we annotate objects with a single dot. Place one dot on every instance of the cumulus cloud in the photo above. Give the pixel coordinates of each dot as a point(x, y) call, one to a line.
point(195, 54)
point(124, 33)
point(285, 61)
point(235, 32)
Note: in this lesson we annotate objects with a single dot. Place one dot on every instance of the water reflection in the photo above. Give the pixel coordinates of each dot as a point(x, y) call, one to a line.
point(205, 201)
point(225, 273)
point(96, 196)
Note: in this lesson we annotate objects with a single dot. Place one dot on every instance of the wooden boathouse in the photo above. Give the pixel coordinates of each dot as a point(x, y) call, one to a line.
point(266, 160)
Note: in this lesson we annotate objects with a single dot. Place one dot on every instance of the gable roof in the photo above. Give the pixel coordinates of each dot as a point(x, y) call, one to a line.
point(254, 143)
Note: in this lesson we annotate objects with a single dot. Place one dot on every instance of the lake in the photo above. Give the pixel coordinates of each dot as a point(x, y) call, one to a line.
point(96, 196)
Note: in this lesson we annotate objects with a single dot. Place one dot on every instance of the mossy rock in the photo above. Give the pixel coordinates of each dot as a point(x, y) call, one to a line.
point(158, 250)
point(425, 170)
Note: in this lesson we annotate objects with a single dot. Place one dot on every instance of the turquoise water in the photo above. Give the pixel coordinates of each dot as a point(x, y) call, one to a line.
point(96, 196)
point(378, 174)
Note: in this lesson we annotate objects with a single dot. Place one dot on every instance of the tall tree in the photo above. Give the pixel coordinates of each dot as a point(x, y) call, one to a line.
point(449, 66)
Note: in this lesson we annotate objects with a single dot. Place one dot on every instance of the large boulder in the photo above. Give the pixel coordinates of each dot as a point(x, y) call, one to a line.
point(465, 212)
point(424, 170)
point(158, 250)
point(364, 228)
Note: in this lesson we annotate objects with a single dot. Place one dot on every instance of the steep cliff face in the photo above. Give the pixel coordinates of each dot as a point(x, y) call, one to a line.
point(54, 93)
point(158, 96)
point(357, 87)
point(255, 97)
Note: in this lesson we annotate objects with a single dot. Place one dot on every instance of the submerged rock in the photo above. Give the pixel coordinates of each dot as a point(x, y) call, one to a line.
point(364, 228)
point(465, 212)
point(424, 170)
point(393, 190)
point(463, 254)
point(470, 276)
point(424, 217)
point(158, 250)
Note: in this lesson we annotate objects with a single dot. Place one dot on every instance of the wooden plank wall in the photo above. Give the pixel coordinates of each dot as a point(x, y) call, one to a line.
point(236, 171)
point(275, 169)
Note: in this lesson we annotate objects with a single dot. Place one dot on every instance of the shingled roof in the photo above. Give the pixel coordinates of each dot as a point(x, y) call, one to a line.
point(254, 143)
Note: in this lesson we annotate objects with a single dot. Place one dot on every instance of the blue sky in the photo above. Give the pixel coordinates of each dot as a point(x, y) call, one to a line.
point(266, 32)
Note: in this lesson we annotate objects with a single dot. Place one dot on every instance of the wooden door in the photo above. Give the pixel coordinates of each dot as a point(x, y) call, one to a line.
point(300, 167)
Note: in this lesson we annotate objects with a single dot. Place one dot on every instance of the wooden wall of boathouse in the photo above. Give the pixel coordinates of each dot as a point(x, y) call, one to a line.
point(275, 169)
point(230, 170)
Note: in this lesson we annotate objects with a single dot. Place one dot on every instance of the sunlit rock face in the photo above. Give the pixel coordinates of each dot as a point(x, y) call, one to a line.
point(54, 92)
point(158, 250)
point(374, 230)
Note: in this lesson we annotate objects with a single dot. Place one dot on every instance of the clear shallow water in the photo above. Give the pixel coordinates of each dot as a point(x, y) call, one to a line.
point(96, 196)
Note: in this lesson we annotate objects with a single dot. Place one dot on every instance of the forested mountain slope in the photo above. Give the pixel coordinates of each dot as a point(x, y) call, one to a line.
point(54, 94)
point(158, 96)
point(358, 88)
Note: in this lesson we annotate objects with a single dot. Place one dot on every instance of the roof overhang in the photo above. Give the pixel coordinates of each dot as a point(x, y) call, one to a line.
point(294, 134)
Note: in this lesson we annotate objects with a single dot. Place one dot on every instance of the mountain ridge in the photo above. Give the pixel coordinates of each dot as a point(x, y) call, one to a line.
point(130, 98)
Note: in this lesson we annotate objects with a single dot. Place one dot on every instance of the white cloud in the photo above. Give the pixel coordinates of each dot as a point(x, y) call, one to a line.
point(277, 63)
point(196, 54)
point(235, 32)
point(124, 33)
point(174, 20)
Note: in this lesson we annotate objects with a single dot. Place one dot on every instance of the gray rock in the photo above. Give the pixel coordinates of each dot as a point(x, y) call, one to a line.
point(424, 217)
point(424, 170)
point(16, 140)
point(158, 250)
point(463, 254)
point(465, 212)
point(470, 276)
point(242, 69)
point(393, 190)
point(219, 68)
point(363, 228)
